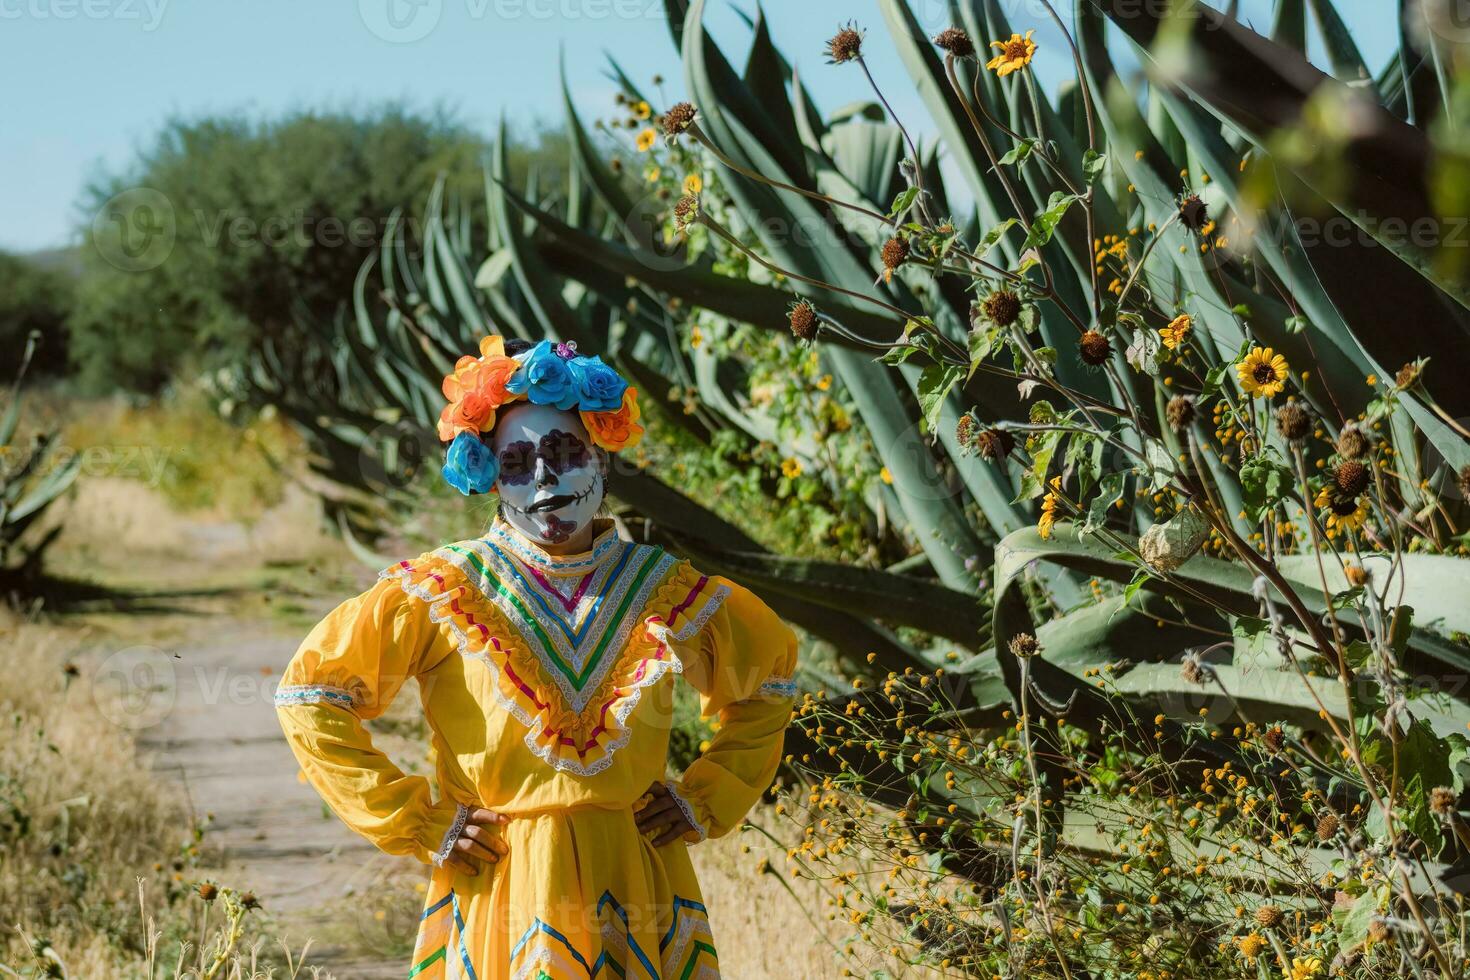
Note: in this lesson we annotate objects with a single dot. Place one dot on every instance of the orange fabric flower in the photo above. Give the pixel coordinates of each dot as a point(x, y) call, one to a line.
point(464, 378)
point(475, 412)
point(495, 371)
point(616, 430)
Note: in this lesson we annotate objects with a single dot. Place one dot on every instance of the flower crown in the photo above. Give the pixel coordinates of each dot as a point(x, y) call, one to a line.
point(549, 373)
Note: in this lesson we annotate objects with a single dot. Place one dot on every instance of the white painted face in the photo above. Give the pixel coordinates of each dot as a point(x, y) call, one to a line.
point(551, 476)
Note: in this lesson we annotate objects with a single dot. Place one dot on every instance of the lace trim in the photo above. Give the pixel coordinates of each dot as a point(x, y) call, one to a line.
point(528, 552)
point(446, 846)
point(440, 612)
point(697, 622)
point(688, 810)
point(314, 694)
point(777, 688)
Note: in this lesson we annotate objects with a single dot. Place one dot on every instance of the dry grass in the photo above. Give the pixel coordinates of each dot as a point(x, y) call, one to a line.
point(80, 815)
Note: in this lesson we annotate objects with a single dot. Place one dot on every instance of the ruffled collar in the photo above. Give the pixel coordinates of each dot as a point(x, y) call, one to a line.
point(604, 548)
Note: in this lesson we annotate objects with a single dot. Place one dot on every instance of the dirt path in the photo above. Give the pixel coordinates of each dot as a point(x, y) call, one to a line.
point(236, 611)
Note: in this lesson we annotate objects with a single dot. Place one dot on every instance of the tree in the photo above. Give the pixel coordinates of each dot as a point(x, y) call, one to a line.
point(36, 297)
point(229, 233)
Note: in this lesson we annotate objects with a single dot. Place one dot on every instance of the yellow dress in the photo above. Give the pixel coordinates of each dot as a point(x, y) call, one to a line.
point(547, 684)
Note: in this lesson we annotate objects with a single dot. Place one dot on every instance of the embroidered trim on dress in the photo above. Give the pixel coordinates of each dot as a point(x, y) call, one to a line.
point(441, 611)
point(314, 694)
point(778, 688)
point(612, 637)
point(688, 809)
point(446, 846)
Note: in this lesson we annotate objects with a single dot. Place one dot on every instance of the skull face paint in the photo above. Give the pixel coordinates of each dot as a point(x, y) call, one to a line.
point(551, 479)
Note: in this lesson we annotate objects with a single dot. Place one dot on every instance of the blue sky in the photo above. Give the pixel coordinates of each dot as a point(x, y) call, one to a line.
point(89, 81)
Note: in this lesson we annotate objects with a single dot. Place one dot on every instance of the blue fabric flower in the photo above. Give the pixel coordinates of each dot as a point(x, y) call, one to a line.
point(599, 386)
point(470, 467)
point(545, 378)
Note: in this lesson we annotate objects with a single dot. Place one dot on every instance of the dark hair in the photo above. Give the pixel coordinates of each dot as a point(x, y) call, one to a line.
point(515, 346)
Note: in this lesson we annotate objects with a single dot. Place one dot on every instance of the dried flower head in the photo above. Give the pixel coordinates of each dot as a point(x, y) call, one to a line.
point(1275, 740)
point(1192, 670)
point(1352, 442)
point(1350, 478)
point(895, 253)
point(995, 444)
point(1094, 348)
point(686, 210)
point(964, 431)
point(1442, 801)
point(1180, 412)
point(1002, 307)
point(678, 119)
point(804, 321)
point(1293, 421)
point(1463, 481)
point(1194, 213)
point(1327, 827)
point(1356, 575)
point(956, 42)
point(1379, 932)
point(207, 891)
point(1269, 916)
point(249, 902)
point(1408, 374)
point(845, 45)
point(1024, 645)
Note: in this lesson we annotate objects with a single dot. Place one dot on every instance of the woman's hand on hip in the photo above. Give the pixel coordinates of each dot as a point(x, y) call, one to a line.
point(660, 818)
point(478, 844)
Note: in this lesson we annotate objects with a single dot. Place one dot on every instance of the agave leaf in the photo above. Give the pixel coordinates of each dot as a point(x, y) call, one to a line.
point(1342, 51)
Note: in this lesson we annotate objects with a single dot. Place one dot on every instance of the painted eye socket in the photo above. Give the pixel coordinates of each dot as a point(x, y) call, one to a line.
point(517, 462)
point(563, 451)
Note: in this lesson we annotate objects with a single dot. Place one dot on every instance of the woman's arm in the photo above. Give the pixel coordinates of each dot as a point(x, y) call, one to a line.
point(347, 671)
point(742, 664)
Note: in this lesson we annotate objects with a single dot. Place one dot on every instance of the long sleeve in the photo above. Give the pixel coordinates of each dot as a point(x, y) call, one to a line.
point(347, 671)
point(742, 663)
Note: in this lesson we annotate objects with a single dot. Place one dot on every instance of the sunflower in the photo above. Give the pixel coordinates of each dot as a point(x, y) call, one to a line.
point(1178, 329)
point(1015, 54)
point(1263, 372)
point(1048, 517)
point(1343, 513)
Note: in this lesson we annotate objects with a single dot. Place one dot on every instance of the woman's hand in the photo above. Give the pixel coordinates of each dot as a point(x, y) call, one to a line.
point(659, 818)
point(478, 844)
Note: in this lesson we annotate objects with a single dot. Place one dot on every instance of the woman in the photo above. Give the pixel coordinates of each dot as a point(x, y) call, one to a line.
point(544, 653)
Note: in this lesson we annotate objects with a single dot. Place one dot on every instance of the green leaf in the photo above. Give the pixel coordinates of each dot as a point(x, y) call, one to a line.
point(903, 202)
point(1019, 153)
point(1045, 225)
point(1110, 491)
point(1093, 164)
point(934, 385)
point(1266, 483)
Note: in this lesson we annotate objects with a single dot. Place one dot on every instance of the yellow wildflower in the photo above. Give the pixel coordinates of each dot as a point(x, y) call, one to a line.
point(646, 139)
point(791, 467)
point(1015, 54)
point(1178, 329)
point(1048, 517)
point(1263, 372)
point(693, 184)
point(642, 110)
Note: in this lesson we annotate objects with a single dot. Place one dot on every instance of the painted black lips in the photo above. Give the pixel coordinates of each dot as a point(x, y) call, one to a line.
point(551, 503)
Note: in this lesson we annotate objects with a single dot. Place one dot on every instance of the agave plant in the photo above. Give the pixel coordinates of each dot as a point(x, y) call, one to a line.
point(1133, 358)
point(31, 480)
